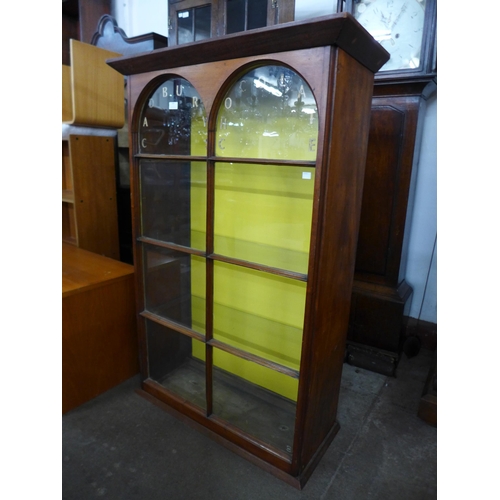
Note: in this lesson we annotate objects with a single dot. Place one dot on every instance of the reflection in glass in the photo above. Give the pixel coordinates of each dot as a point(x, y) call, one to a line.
point(242, 15)
point(174, 362)
point(262, 314)
point(243, 401)
point(174, 285)
point(270, 112)
point(173, 120)
point(263, 214)
point(173, 198)
point(193, 24)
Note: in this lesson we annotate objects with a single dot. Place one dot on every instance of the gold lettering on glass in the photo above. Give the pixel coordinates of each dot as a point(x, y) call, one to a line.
point(178, 90)
point(228, 102)
point(143, 143)
point(145, 123)
point(164, 91)
point(223, 123)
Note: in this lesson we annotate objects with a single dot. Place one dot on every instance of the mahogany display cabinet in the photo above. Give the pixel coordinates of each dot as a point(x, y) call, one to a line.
point(247, 163)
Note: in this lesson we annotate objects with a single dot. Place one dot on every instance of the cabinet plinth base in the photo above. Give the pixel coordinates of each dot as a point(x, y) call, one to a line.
point(376, 326)
point(296, 481)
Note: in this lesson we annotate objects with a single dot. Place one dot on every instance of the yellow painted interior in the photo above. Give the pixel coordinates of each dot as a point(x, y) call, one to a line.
point(262, 214)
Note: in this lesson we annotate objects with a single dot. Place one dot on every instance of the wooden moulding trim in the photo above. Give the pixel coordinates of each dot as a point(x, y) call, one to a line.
point(341, 30)
point(311, 466)
point(159, 40)
point(423, 87)
point(399, 294)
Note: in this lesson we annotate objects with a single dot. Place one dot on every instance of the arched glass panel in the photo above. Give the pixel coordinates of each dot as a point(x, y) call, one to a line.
point(270, 112)
point(173, 120)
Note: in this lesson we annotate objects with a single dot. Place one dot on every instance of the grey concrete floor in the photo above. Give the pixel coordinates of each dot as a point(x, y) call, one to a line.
point(120, 446)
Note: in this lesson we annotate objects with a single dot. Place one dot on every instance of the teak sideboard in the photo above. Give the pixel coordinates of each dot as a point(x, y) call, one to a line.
point(99, 333)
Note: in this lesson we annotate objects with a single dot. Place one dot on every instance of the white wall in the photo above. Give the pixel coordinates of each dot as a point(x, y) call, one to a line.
point(422, 254)
point(137, 17)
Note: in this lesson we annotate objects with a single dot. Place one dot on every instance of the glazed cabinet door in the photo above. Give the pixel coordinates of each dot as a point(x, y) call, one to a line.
point(226, 208)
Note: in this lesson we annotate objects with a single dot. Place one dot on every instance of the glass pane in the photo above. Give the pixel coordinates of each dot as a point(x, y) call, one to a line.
point(240, 398)
point(397, 25)
point(263, 214)
point(235, 16)
point(174, 285)
point(177, 362)
point(173, 198)
point(262, 314)
point(173, 121)
point(270, 112)
point(202, 22)
point(185, 26)
point(257, 14)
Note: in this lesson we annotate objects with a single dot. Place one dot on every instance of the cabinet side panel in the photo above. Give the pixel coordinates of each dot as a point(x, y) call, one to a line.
point(334, 255)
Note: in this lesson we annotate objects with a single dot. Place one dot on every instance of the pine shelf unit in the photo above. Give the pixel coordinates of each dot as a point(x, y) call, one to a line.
point(89, 212)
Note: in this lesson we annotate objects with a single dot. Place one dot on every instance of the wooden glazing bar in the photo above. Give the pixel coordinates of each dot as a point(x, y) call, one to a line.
point(171, 246)
point(173, 325)
point(209, 392)
point(226, 159)
point(209, 266)
point(160, 157)
point(255, 359)
point(265, 161)
point(259, 267)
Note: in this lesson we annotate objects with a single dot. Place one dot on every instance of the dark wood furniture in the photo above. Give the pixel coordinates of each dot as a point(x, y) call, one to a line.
point(427, 409)
point(79, 19)
point(246, 195)
point(99, 332)
point(381, 295)
point(195, 20)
